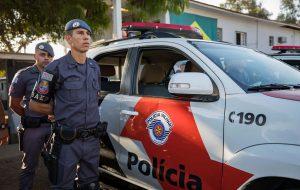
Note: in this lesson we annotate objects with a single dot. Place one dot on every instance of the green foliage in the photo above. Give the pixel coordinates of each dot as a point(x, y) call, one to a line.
point(23, 21)
point(289, 11)
point(143, 10)
point(250, 7)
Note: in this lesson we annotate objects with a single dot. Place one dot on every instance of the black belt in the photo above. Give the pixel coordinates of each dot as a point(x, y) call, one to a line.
point(83, 133)
point(33, 122)
point(68, 134)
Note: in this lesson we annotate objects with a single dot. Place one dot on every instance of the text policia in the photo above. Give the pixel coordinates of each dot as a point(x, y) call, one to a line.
point(158, 171)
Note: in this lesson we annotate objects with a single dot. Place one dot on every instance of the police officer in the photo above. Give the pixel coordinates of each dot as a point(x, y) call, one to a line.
point(36, 125)
point(72, 81)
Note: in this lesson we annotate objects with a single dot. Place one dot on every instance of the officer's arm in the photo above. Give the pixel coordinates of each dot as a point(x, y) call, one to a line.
point(42, 94)
point(41, 108)
point(16, 92)
point(15, 105)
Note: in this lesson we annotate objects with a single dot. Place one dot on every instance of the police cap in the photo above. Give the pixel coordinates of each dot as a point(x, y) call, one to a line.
point(44, 46)
point(77, 23)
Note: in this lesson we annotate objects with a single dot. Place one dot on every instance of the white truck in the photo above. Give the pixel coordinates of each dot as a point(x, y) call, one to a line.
point(229, 119)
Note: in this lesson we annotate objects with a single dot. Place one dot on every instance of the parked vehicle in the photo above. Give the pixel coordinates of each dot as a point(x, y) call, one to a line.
point(288, 54)
point(139, 28)
point(193, 114)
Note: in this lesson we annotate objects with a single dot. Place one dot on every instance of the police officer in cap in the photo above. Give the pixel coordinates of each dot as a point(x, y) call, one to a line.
point(35, 126)
point(73, 84)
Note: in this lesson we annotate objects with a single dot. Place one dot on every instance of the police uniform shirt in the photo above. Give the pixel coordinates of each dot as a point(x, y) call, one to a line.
point(22, 86)
point(74, 88)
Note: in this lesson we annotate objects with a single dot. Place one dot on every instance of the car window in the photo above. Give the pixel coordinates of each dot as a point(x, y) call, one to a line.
point(155, 69)
point(247, 67)
point(111, 68)
point(293, 60)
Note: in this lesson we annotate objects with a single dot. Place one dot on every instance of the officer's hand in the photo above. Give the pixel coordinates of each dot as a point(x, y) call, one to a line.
point(51, 118)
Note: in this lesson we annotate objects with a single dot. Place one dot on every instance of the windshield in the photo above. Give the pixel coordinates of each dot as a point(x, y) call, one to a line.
point(247, 67)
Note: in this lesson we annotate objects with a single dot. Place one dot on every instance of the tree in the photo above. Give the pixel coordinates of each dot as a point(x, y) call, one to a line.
point(250, 7)
point(142, 10)
point(289, 11)
point(23, 21)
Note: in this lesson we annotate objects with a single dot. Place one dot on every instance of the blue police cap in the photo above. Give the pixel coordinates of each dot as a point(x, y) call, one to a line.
point(44, 46)
point(77, 23)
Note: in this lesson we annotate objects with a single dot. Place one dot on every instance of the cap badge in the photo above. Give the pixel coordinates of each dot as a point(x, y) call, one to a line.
point(75, 24)
point(41, 47)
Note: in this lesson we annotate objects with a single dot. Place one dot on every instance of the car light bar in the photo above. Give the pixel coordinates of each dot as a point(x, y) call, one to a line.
point(133, 28)
point(152, 25)
point(285, 47)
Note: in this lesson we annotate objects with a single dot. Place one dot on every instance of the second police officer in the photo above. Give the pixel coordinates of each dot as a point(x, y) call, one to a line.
point(35, 128)
point(73, 83)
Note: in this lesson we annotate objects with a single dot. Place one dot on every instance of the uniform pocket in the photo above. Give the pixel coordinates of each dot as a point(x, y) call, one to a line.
point(96, 84)
point(74, 89)
point(94, 90)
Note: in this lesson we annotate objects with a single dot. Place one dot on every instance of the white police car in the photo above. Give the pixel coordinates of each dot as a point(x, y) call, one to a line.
point(288, 54)
point(229, 119)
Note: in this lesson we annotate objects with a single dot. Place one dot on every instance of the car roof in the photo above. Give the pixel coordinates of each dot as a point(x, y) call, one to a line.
point(130, 42)
point(101, 47)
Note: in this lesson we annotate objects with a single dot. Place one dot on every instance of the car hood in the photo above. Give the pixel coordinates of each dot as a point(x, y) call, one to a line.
point(285, 94)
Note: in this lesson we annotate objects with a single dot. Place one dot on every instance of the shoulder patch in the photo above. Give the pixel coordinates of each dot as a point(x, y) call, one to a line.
point(46, 76)
point(43, 87)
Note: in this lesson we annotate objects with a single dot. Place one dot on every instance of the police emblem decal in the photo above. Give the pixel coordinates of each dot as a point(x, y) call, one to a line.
point(43, 87)
point(75, 24)
point(41, 47)
point(159, 126)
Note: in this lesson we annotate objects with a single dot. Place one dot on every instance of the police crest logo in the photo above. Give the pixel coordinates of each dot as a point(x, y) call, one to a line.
point(75, 24)
point(43, 87)
point(159, 126)
point(41, 47)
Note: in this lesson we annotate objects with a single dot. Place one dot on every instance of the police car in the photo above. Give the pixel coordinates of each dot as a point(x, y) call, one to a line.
point(227, 119)
point(288, 54)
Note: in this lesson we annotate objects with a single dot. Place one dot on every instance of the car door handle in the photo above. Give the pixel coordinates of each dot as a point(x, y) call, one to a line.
point(127, 112)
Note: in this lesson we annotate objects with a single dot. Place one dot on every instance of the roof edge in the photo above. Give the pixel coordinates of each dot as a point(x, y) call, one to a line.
point(17, 56)
point(291, 26)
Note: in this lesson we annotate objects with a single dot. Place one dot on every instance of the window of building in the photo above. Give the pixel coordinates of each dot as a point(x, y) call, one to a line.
point(220, 34)
point(282, 40)
point(241, 38)
point(156, 67)
point(271, 40)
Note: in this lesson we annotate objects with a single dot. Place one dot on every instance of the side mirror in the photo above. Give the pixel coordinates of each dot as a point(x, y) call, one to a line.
point(190, 83)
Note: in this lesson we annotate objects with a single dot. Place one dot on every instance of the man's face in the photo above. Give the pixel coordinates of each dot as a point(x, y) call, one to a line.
point(79, 40)
point(42, 58)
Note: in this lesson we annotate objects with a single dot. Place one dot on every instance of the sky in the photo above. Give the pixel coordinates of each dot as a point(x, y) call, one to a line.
point(271, 5)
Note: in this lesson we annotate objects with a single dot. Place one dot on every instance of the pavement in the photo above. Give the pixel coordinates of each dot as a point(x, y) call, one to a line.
point(10, 164)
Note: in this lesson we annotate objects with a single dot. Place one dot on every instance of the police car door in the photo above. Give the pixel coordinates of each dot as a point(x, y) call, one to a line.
point(111, 65)
point(167, 142)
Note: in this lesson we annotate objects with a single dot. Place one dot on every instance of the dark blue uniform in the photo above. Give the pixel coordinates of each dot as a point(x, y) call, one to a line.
point(34, 138)
point(74, 88)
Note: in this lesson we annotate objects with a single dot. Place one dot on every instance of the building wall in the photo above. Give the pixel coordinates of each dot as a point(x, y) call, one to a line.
point(258, 32)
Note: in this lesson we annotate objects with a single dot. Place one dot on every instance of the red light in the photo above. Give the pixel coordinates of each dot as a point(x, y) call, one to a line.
point(156, 25)
point(286, 47)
